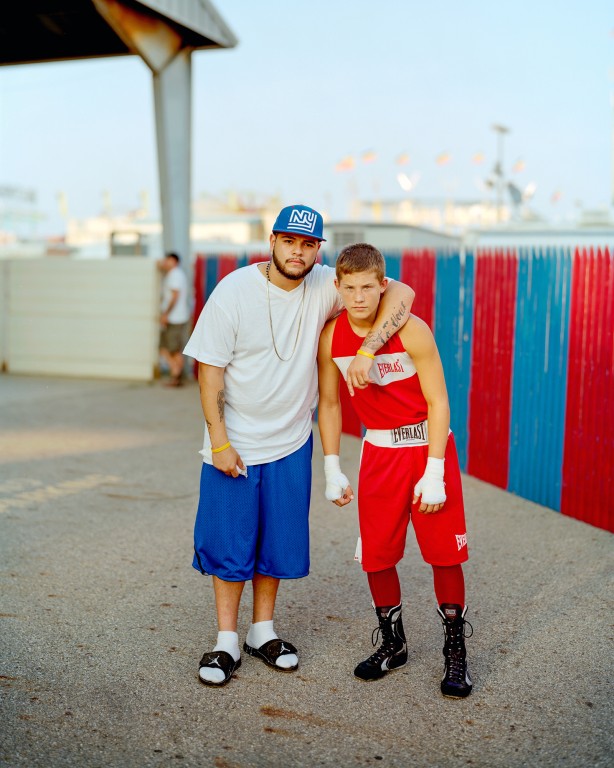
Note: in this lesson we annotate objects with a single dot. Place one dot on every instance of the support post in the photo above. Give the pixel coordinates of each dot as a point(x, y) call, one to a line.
point(173, 110)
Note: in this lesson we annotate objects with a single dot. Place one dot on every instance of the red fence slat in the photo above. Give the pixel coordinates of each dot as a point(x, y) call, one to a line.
point(200, 276)
point(227, 263)
point(256, 258)
point(588, 459)
point(418, 270)
point(491, 366)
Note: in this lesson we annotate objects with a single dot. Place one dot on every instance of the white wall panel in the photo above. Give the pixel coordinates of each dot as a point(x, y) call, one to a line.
point(83, 318)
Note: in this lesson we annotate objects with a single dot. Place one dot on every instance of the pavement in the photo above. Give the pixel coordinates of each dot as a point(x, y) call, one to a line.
point(103, 619)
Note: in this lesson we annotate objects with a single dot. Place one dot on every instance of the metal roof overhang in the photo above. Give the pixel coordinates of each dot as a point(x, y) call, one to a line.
point(57, 30)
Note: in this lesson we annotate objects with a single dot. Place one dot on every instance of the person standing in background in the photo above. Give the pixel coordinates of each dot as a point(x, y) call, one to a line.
point(174, 316)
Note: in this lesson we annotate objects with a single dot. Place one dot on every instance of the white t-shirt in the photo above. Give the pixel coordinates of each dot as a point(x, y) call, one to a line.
point(269, 403)
point(175, 280)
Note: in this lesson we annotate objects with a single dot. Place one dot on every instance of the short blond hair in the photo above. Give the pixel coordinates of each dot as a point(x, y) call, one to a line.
point(360, 257)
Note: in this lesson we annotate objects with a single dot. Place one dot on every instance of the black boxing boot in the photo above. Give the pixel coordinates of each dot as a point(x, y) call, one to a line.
point(392, 653)
point(456, 682)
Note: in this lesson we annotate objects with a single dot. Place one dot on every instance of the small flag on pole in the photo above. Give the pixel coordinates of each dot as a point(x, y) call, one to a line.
point(369, 156)
point(443, 158)
point(346, 164)
point(518, 166)
point(402, 159)
point(478, 158)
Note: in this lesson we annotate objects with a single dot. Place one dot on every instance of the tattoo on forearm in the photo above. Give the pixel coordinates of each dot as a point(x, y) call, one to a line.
point(208, 424)
point(221, 401)
point(398, 315)
point(375, 340)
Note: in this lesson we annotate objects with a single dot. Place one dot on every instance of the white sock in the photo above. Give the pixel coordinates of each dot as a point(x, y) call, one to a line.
point(226, 641)
point(260, 633)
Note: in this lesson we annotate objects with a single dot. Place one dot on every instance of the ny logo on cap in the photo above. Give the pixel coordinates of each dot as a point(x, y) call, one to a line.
point(303, 221)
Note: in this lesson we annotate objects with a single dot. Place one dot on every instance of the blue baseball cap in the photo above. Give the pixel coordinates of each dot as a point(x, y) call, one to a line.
point(300, 220)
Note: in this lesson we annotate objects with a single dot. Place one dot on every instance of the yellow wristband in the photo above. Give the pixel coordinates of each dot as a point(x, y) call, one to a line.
point(221, 448)
point(366, 354)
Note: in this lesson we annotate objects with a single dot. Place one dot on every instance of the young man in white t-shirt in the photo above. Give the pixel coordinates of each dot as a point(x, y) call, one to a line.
point(174, 316)
point(256, 342)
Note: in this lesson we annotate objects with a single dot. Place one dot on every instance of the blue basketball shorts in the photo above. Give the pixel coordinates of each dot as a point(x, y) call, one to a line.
point(258, 523)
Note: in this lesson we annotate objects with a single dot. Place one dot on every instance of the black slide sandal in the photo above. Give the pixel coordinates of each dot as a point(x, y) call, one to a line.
point(219, 660)
point(271, 651)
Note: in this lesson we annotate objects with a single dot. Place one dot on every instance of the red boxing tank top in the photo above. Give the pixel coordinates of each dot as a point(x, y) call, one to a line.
point(394, 397)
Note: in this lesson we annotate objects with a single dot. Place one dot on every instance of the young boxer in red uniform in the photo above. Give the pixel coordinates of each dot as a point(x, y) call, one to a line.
point(406, 447)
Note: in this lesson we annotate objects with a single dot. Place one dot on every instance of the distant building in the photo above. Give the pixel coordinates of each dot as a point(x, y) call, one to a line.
point(539, 234)
point(447, 215)
point(390, 236)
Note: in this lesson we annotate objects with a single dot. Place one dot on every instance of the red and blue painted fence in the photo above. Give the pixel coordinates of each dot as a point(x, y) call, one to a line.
point(526, 337)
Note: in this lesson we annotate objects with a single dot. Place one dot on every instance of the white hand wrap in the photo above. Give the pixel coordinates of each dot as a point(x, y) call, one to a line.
point(336, 481)
point(431, 486)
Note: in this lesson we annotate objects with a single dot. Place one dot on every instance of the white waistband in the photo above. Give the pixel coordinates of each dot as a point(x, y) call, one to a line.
point(399, 437)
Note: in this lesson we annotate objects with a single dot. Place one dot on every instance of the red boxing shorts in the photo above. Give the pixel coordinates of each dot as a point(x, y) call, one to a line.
point(385, 492)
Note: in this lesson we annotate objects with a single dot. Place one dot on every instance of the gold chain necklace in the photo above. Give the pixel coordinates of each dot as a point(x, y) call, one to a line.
point(300, 322)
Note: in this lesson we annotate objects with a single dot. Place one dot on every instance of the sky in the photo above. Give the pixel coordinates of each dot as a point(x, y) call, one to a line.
point(311, 84)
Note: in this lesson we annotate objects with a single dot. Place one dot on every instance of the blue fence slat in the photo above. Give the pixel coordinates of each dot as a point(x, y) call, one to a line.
point(453, 332)
point(393, 264)
point(540, 375)
point(212, 271)
point(328, 258)
point(559, 360)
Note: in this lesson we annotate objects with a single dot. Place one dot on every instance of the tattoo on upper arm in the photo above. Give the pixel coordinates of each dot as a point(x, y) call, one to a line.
point(221, 400)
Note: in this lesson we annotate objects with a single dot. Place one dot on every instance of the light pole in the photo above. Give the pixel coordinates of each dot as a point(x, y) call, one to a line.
point(500, 130)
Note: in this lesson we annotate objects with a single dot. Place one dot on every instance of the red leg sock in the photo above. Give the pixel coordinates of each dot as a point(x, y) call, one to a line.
point(449, 584)
point(385, 587)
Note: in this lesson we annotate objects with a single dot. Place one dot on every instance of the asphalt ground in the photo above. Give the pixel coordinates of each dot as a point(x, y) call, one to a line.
point(104, 620)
